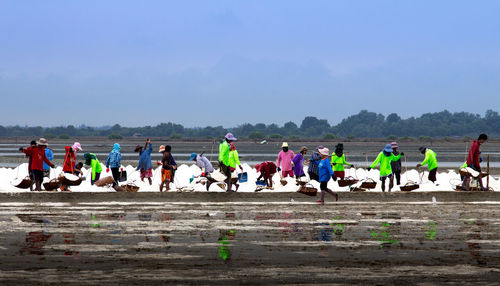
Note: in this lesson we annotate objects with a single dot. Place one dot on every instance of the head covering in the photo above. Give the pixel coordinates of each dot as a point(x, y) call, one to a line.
point(258, 167)
point(76, 147)
point(230, 136)
point(394, 145)
point(116, 147)
point(193, 156)
point(320, 147)
point(162, 148)
point(388, 148)
point(137, 148)
point(339, 146)
point(42, 141)
point(324, 152)
point(285, 144)
point(303, 148)
point(421, 148)
point(88, 158)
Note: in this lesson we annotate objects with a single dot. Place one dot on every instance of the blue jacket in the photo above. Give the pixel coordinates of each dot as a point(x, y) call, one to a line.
point(325, 170)
point(50, 155)
point(145, 158)
point(114, 158)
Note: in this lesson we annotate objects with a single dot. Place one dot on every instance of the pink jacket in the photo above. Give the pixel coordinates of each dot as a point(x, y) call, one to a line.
point(285, 159)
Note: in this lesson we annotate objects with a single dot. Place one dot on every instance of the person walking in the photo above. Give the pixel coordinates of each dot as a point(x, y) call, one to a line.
point(224, 149)
point(145, 167)
point(474, 159)
point(92, 161)
point(384, 158)
point(37, 154)
point(431, 161)
point(50, 156)
point(312, 170)
point(69, 162)
point(298, 163)
point(166, 168)
point(396, 165)
point(338, 161)
point(114, 161)
point(325, 174)
point(284, 161)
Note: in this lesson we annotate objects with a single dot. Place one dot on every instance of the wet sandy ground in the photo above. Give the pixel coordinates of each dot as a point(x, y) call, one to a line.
point(214, 239)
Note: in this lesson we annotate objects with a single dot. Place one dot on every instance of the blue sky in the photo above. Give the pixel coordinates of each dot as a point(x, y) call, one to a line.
point(202, 63)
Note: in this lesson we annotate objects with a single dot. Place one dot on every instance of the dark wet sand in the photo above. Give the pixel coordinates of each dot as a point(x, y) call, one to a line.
point(249, 239)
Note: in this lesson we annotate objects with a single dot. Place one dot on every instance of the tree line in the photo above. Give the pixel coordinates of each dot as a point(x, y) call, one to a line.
point(365, 124)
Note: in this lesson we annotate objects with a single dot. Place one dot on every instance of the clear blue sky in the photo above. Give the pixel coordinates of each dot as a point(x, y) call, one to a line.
point(202, 63)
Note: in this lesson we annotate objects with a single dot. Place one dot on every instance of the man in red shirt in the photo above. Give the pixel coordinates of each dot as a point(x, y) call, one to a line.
point(473, 159)
point(37, 154)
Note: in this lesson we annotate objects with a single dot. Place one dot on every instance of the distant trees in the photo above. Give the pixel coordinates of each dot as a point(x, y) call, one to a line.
point(364, 124)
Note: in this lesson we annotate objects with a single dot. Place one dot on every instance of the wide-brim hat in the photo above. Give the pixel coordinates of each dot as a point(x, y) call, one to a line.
point(394, 145)
point(303, 149)
point(193, 156)
point(285, 144)
point(162, 148)
point(77, 146)
point(388, 148)
point(230, 136)
point(42, 141)
point(324, 151)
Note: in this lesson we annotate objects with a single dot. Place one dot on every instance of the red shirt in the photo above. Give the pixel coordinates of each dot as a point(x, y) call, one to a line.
point(69, 160)
point(473, 158)
point(37, 155)
point(267, 169)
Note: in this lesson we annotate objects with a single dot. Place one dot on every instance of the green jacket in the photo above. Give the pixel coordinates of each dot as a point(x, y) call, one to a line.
point(430, 159)
point(234, 159)
point(95, 165)
point(224, 153)
point(385, 163)
point(339, 162)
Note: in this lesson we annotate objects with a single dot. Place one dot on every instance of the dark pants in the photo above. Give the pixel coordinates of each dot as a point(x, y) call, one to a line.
point(97, 176)
point(432, 175)
point(313, 176)
point(323, 186)
point(397, 174)
point(116, 175)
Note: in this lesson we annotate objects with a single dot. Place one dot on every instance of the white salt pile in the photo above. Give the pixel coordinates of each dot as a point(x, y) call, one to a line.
point(446, 181)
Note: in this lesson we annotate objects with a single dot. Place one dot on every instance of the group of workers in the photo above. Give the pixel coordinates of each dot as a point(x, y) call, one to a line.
point(322, 166)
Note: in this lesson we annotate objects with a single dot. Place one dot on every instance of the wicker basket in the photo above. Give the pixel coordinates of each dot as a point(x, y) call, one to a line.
point(52, 185)
point(308, 190)
point(104, 181)
point(283, 182)
point(131, 188)
point(67, 182)
point(356, 189)
point(347, 182)
point(25, 183)
point(119, 189)
point(408, 187)
point(368, 184)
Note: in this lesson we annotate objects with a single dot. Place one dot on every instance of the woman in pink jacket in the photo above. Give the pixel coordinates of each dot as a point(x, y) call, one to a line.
point(285, 161)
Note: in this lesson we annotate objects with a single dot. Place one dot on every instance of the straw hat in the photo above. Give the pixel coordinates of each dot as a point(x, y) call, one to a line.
point(42, 141)
point(77, 146)
point(324, 152)
point(394, 145)
point(162, 148)
point(285, 144)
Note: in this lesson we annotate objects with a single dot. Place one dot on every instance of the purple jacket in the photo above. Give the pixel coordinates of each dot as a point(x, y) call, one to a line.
point(298, 163)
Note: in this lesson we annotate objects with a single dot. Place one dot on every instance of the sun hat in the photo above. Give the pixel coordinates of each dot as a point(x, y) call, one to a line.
point(42, 141)
point(77, 147)
point(303, 148)
point(388, 148)
point(394, 145)
point(320, 147)
point(258, 167)
point(162, 148)
point(230, 136)
point(137, 148)
point(193, 156)
point(324, 151)
point(285, 144)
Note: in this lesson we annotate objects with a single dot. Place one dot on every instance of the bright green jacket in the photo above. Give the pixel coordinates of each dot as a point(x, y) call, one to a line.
point(95, 165)
point(234, 159)
point(430, 159)
point(339, 162)
point(385, 163)
point(224, 153)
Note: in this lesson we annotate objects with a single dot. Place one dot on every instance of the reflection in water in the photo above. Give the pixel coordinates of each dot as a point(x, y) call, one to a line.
point(35, 241)
point(94, 225)
point(225, 236)
point(69, 238)
point(432, 231)
point(384, 236)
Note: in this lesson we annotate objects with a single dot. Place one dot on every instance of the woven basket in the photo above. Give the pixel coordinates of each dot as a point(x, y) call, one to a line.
point(368, 184)
point(347, 182)
point(308, 190)
point(283, 182)
point(52, 185)
point(104, 181)
point(410, 186)
point(356, 189)
point(119, 189)
point(132, 188)
point(25, 183)
point(67, 182)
